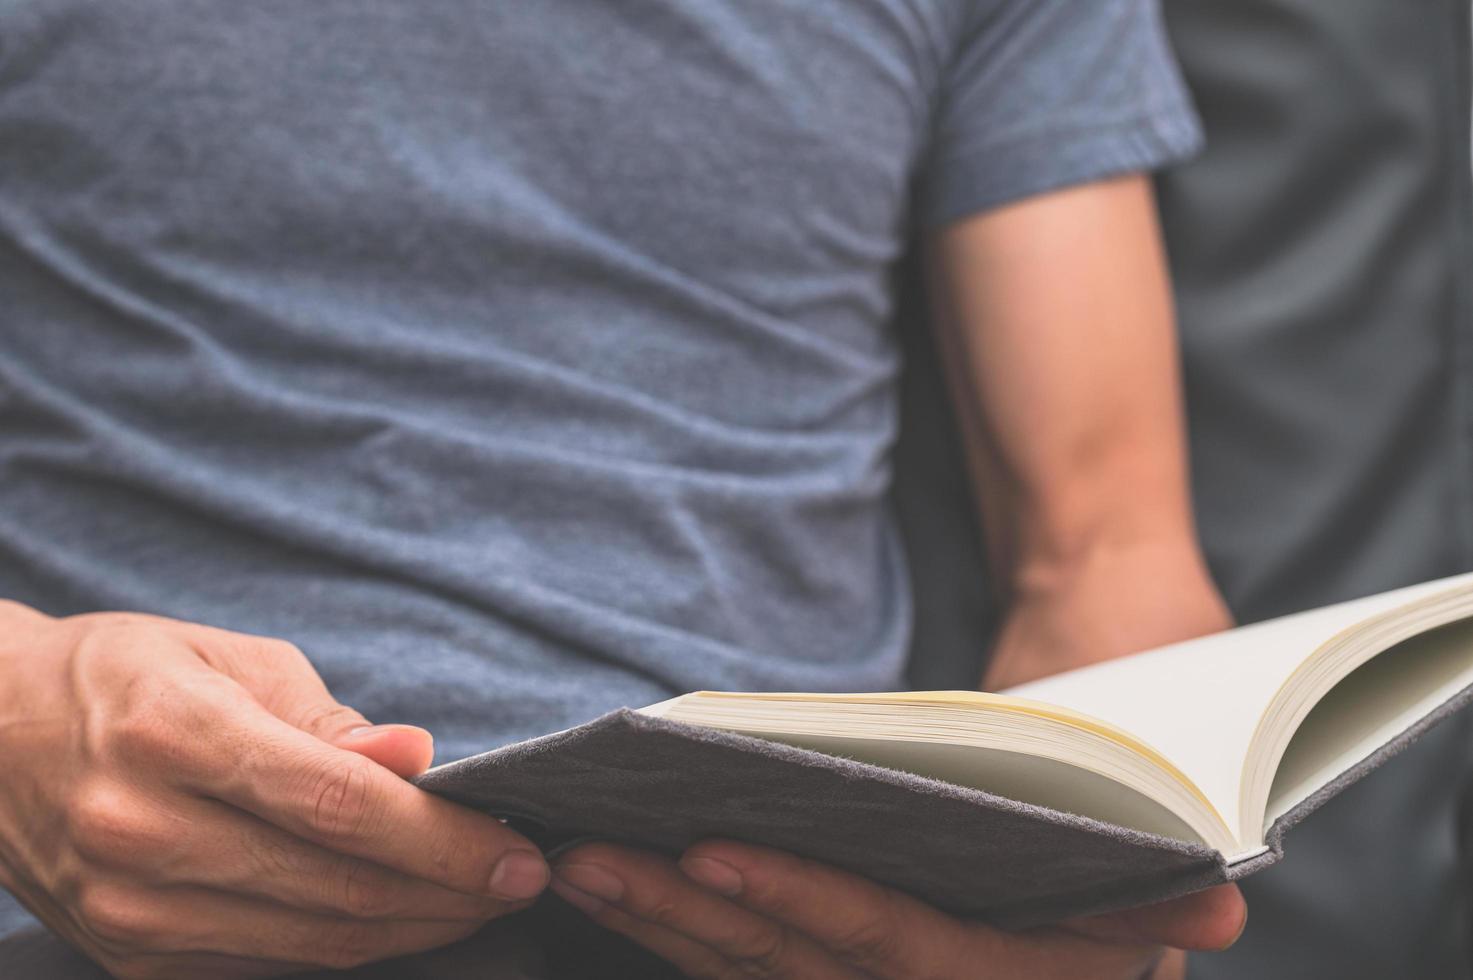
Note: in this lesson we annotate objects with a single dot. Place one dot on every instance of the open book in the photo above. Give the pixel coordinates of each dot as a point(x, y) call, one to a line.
point(1131, 780)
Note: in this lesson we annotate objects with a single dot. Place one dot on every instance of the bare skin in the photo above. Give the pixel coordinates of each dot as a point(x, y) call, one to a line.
point(181, 801)
point(1055, 314)
point(728, 910)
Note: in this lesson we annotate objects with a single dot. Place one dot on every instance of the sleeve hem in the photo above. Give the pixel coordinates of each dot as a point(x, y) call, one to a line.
point(1053, 159)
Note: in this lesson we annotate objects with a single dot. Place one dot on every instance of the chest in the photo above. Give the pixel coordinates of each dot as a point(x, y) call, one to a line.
point(712, 125)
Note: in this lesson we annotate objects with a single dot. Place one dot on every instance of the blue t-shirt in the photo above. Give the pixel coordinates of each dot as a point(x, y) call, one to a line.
point(518, 360)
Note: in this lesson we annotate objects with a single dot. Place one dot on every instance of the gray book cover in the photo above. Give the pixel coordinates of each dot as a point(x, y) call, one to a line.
point(664, 785)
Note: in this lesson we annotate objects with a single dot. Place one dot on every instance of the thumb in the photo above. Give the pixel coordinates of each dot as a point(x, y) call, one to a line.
point(402, 749)
point(283, 680)
point(1206, 920)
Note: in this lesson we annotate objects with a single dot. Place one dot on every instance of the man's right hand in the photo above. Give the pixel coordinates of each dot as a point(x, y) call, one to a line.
point(178, 800)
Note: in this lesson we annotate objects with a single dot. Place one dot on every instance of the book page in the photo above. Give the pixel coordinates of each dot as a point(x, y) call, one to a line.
point(1040, 781)
point(1024, 750)
point(1199, 703)
point(1367, 709)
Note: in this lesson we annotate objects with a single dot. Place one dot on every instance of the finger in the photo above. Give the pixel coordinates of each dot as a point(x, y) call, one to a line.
point(1172, 966)
point(17, 613)
point(339, 800)
point(1206, 920)
point(206, 843)
point(619, 887)
point(404, 750)
point(890, 934)
point(871, 927)
point(177, 924)
point(281, 678)
point(185, 659)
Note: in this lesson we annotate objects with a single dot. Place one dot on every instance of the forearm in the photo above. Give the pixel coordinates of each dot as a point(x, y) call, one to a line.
point(1056, 318)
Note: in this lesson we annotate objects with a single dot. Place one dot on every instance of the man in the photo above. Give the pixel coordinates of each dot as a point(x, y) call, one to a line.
point(518, 361)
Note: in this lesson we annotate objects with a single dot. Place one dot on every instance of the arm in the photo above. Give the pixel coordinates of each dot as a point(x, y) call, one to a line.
point(1056, 324)
point(1060, 309)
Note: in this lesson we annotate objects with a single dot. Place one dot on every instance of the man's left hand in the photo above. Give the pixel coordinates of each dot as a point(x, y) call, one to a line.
point(727, 910)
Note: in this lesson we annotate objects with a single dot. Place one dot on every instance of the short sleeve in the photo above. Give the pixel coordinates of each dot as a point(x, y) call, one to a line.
point(1044, 94)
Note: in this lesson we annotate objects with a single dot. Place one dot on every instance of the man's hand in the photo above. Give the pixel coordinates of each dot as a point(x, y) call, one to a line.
point(181, 801)
point(729, 910)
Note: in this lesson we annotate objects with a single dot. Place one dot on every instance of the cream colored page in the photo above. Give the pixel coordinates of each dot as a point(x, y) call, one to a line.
point(1369, 708)
point(1042, 782)
point(1199, 702)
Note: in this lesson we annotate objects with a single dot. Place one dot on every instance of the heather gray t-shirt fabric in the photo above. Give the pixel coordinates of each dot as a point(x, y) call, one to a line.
point(517, 360)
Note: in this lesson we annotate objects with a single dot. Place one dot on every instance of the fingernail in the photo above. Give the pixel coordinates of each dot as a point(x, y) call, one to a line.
point(716, 875)
point(519, 875)
point(592, 880)
point(364, 731)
